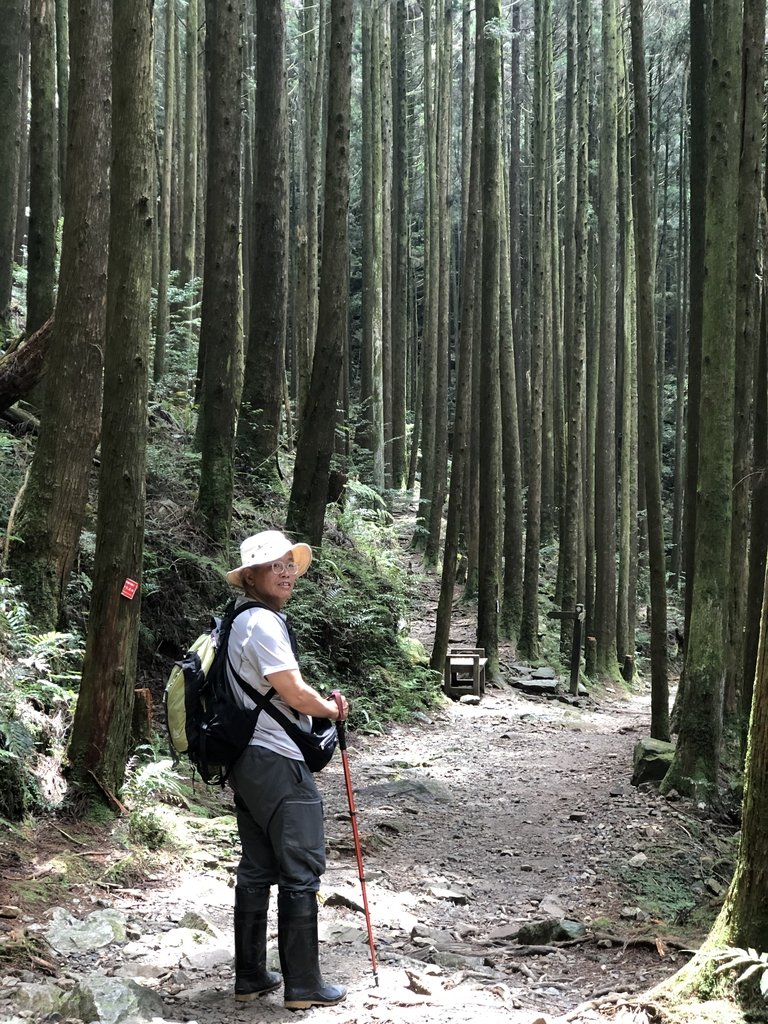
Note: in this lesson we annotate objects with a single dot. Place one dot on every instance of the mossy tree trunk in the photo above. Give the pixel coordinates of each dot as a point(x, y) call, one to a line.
point(221, 327)
point(697, 756)
point(306, 510)
point(51, 513)
point(758, 517)
point(102, 728)
point(749, 270)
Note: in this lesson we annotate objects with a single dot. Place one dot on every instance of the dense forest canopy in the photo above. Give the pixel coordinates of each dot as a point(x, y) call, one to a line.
point(508, 255)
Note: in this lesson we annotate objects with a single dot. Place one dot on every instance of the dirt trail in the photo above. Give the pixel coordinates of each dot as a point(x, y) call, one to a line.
point(484, 819)
point(474, 821)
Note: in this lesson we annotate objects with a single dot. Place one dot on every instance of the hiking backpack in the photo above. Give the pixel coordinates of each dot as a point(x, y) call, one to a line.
point(204, 721)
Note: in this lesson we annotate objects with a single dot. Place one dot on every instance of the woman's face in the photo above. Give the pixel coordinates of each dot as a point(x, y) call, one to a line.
point(264, 584)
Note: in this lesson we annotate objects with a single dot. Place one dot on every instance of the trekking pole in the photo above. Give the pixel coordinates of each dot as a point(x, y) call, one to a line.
point(342, 734)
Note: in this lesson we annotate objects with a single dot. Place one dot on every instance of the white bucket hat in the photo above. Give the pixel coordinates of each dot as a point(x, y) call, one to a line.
point(265, 547)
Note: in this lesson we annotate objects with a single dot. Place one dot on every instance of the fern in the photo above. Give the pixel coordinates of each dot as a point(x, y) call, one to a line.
point(748, 962)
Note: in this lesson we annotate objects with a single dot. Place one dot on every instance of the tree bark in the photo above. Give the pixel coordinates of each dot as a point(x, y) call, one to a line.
point(306, 510)
point(221, 328)
point(43, 187)
point(10, 132)
point(470, 280)
point(695, 765)
point(51, 513)
point(605, 461)
point(169, 103)
point(748, 272)
point(259, 426)
point(400, 238)
point(102, 726)
point(649, 415)
point(22, 367)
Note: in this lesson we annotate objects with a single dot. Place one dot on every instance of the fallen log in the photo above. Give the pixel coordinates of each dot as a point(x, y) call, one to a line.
point(22, 366)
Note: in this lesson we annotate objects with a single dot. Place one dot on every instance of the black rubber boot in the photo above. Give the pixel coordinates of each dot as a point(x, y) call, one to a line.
point(252, 979)
point(299, 953)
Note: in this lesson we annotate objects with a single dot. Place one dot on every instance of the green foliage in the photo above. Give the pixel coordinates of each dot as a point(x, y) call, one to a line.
point(349, 615)
point(748, 962)
point(36, 708)
point(147, 784)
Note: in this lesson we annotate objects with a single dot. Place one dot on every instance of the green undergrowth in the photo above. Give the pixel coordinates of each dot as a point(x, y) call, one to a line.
point(682, 884)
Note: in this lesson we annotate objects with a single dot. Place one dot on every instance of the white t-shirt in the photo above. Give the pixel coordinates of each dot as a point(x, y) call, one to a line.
point(259, 645)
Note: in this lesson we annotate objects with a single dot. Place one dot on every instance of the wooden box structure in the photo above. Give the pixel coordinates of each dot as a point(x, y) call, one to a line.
point(464, 671)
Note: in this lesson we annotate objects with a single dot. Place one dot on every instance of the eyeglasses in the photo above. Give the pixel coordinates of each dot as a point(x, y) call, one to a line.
point(278, 568)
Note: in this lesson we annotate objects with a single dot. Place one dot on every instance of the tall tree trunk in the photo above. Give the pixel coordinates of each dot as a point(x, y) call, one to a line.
point(260, 420)
point(62, 85)
point(20, 238)
point(701, 42)
point(758, 540)
point(43, 189)
point(605, 463)
point(490, 546)
point(400, 237)
point(649, 417)
point(512, 590)
point(529, 626)
point(697, 755)
point(306, 510)
point(169, 101)
point(748, 271)
point(576, 336)
point(442, 346)
point(313, 22)
point(51, 513)
point(386, 92)
point(372, 434)
point(10, 138)
point(221, 328)
point(189, 201)
point(431, 291)
point(470, 280)
point(101, 732)
point(681, 350)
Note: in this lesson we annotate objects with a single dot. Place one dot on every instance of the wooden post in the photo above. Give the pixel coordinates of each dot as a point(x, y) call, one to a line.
point(578, 618)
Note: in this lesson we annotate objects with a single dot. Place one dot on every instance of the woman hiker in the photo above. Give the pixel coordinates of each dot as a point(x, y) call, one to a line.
point(279, 808)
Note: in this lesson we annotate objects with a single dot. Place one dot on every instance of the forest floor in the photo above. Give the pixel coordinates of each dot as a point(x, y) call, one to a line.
point(475, 821)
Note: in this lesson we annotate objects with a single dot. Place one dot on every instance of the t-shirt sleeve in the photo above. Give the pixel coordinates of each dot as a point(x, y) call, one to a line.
point(265, 645)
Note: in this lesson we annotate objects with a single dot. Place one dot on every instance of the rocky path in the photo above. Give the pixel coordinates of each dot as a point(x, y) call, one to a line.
point(513, 874)
point(475, 823)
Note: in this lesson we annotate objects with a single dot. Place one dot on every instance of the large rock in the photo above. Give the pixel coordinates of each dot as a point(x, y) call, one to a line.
point(113, 1001)
point(67, 934)
point(651, 760)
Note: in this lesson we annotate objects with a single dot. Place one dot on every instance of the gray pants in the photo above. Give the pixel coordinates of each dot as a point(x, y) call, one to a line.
point(280, 821)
